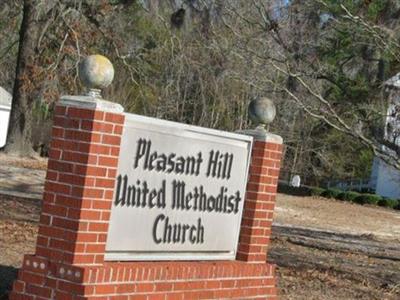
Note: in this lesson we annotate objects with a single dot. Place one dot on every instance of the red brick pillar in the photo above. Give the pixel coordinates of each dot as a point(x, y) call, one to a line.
point(77, 196)
point(260, 198)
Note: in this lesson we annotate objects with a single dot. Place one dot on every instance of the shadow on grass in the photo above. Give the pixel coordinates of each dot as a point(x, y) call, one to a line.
point(7, 275)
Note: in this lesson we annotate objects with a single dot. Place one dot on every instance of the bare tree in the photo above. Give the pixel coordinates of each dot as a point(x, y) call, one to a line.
point(284, 50)
point(27, 78)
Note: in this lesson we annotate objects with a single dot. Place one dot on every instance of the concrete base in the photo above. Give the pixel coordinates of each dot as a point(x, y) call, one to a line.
point(89, 102)
point(262, 135)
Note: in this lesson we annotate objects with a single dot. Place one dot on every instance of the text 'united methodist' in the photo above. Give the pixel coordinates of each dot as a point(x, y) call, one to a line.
point(173, 193)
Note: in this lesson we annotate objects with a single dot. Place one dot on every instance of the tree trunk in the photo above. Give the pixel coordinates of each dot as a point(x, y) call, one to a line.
point(154, 6)
point(25, 86)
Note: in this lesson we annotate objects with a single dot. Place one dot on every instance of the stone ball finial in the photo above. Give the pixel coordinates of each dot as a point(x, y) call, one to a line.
point(96, 72)
point(262, 111)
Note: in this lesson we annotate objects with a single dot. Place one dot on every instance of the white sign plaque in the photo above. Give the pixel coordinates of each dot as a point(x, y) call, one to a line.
point(179, 192)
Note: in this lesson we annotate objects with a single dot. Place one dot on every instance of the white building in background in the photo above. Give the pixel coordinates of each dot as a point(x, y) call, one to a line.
point(5, 108)
point(384, 178)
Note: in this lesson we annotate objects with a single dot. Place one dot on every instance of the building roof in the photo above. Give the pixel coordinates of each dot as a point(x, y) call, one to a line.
point(5, 98)
point(394, 81)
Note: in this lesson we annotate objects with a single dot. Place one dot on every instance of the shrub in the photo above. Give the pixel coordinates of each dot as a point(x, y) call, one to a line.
point(367, 199)
point(317, 191)
point(372, 199)
point(294, 191)
point(387, 202)
point(348, 196)
point(367, 191)
point(360, 199)
point(331, 193)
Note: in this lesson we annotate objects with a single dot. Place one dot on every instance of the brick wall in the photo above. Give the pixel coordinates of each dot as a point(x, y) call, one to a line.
point(260, 202)
point(69, 259)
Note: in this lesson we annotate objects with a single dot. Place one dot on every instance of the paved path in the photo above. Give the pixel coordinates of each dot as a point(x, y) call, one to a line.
point(23, 182)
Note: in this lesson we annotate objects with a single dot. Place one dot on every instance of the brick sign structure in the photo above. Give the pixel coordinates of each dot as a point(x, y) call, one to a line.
point(70, 261)
point(179, 193)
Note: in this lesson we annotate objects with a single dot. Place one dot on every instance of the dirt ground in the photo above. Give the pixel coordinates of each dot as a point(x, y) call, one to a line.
point(335, 261)
point(18, 229)
point(329, 249)
point(338, 216)
point(35, 163)
point(324, 249)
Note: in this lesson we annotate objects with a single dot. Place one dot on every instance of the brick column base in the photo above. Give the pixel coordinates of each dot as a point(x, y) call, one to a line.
point(147, 280)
